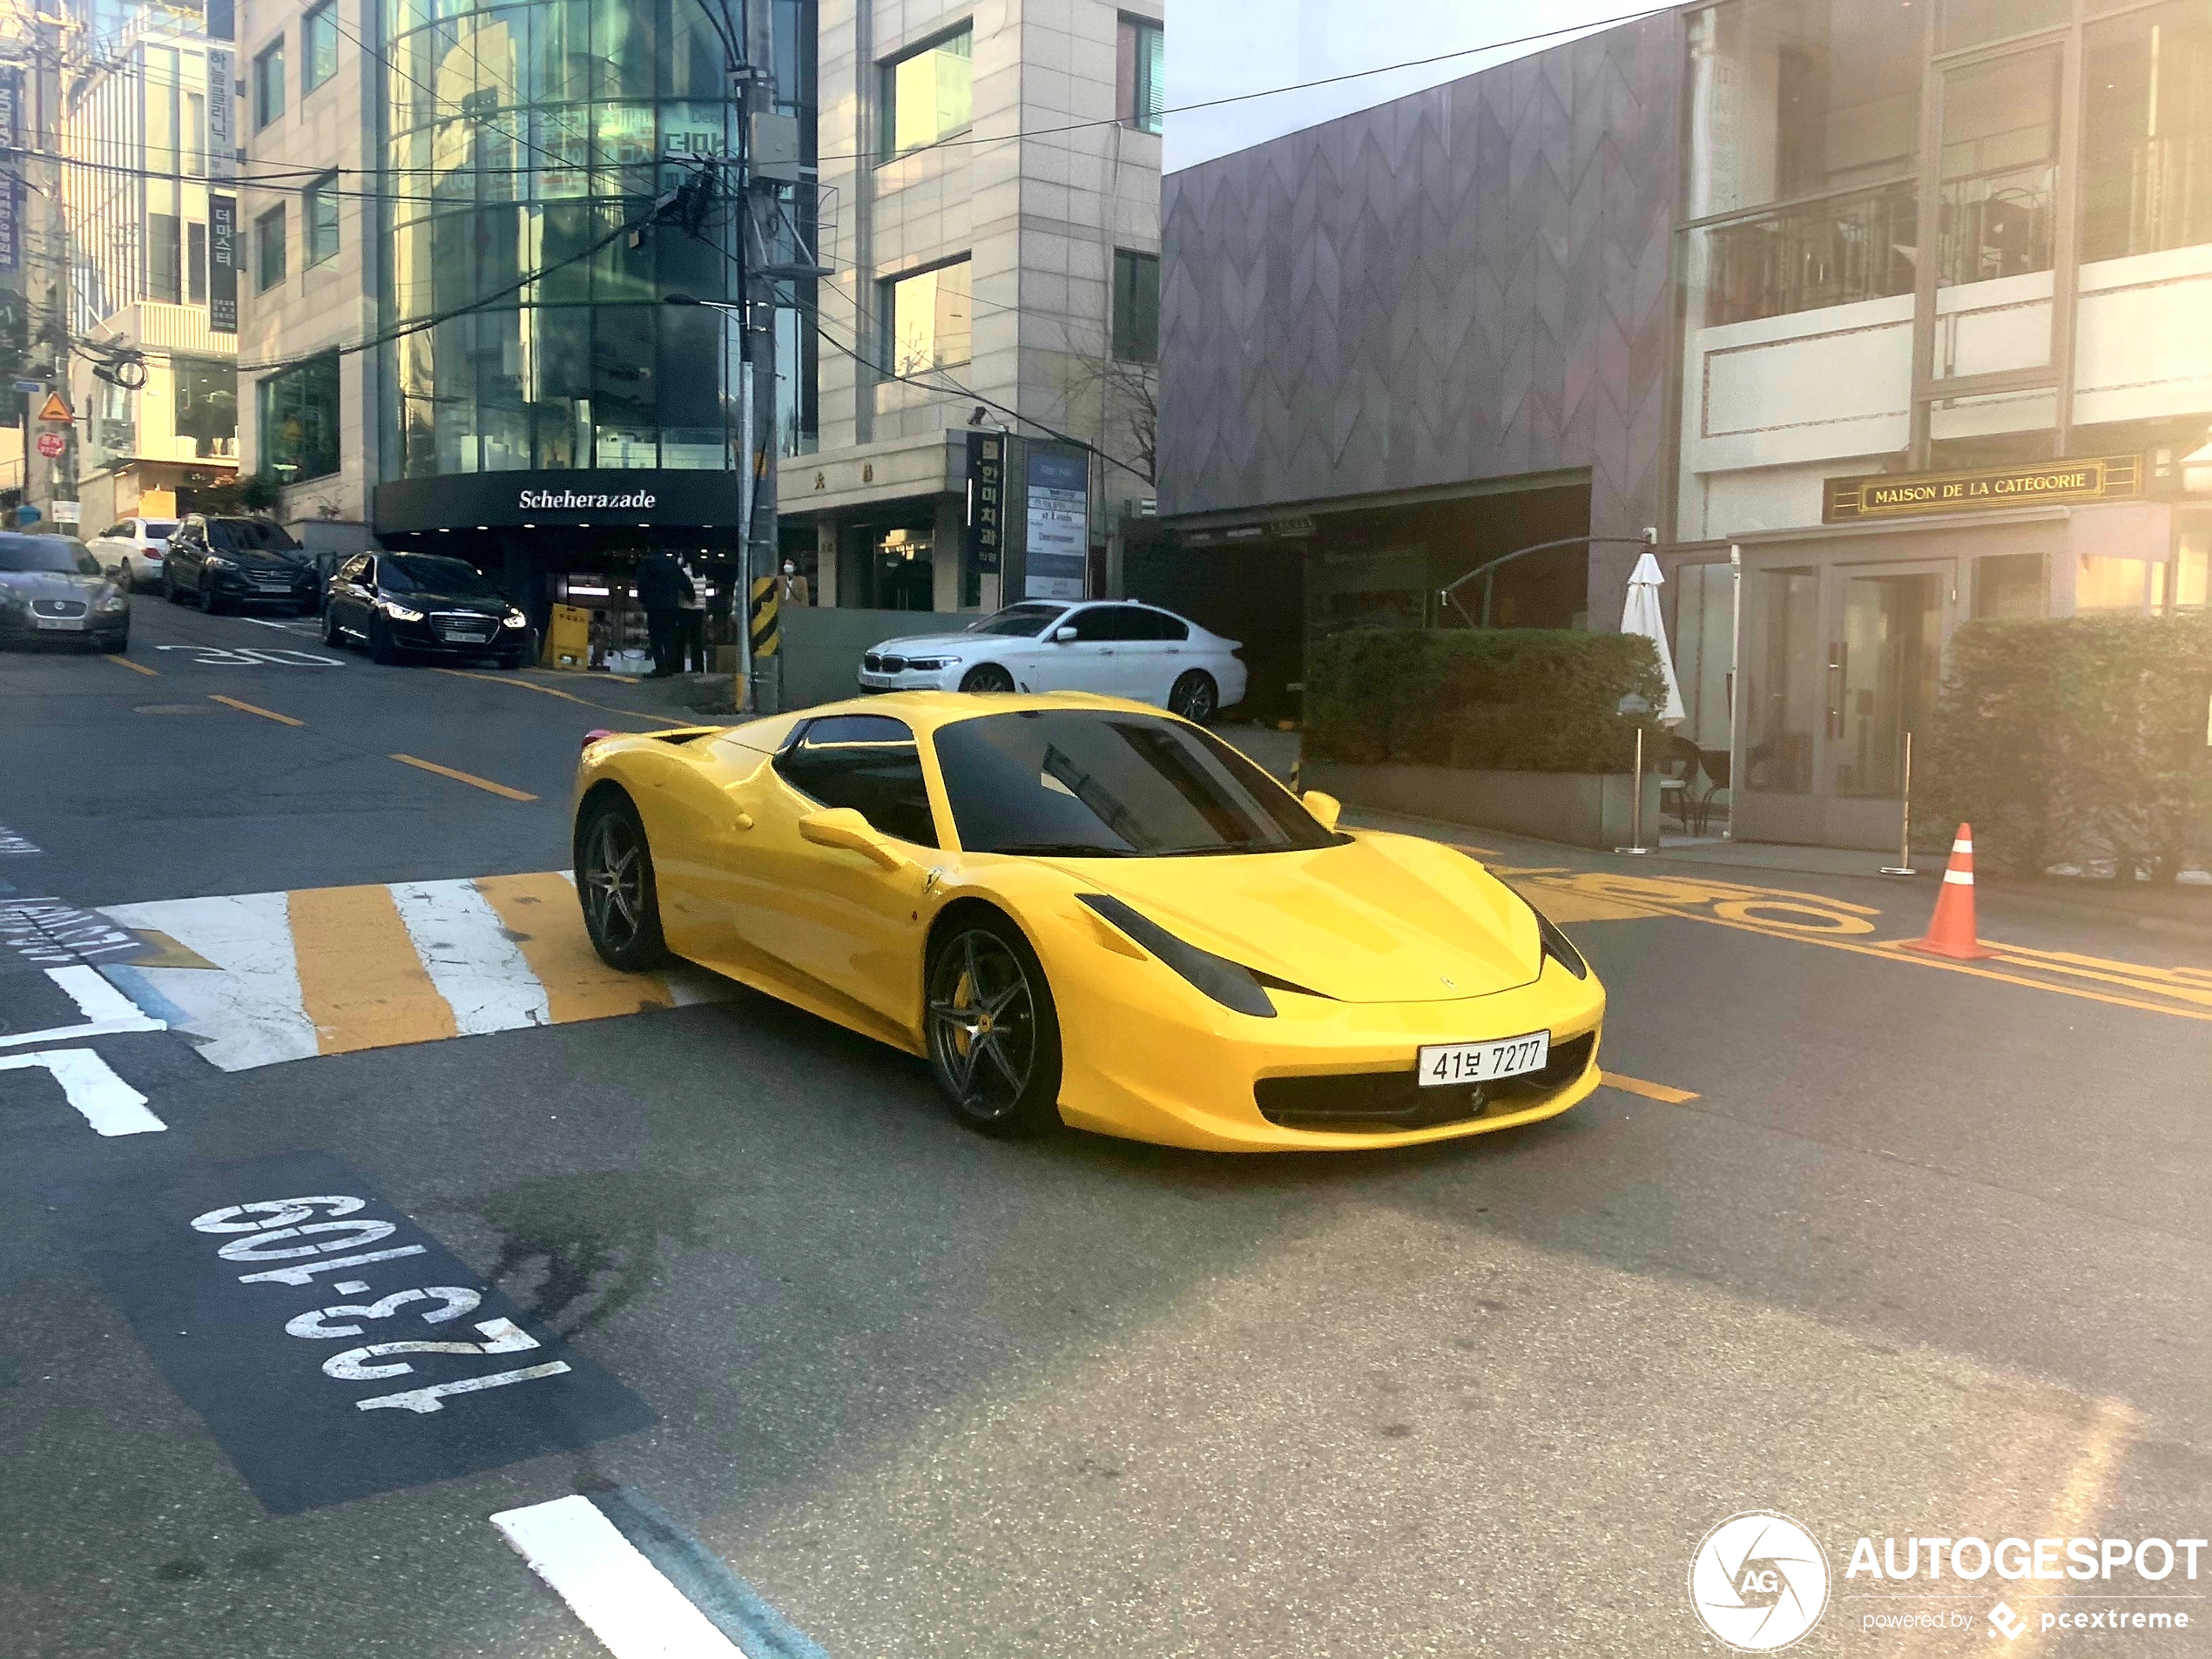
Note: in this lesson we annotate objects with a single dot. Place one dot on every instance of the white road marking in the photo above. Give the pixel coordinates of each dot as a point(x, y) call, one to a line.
point(476, 967)
point(249, 1013)
point(13, 845)
point(105, 1101)
point(107, 1011)
point(622, 1597)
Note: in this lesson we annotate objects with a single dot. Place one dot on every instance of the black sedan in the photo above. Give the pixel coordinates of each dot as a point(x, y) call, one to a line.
point(400, 604)
point(53, 590)
point(225, 563)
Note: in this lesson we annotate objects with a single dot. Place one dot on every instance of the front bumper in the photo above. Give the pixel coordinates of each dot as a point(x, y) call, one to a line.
point(428, 639)
point(243, 589)
point(1192, 1079)
point(935, 680)
point(95, 630)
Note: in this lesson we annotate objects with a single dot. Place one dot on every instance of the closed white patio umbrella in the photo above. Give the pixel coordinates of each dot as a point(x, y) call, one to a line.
point(1643, 616)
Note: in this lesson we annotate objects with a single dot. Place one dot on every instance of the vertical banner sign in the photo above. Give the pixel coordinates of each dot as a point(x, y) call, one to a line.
point(11, 187)
point(1059, 525)
point(222, 111)
point(222, 264)
point(986, 500)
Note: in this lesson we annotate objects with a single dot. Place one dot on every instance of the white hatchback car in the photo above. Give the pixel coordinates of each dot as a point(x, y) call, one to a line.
point(131, 551)
point(1110, 647)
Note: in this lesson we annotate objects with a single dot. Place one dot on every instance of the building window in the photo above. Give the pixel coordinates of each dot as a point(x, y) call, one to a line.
point(927, 315)
point(1136, 307)
point(1140, 74)
point(318, 212)
point(269, 85)
point(196, 263)
point(319, 47)
point(1999, 187)
point(268, 248)
point(2146, 132)
point(206, 406)
point(299, 409)
point(165, 258)
point(929, 94)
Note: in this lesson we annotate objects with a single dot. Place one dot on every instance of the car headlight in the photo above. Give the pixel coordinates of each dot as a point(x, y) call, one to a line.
point(1557, 946)
point(397, 611)
point(1231, 984)
point(217, 562)
point(115, 602)
point(931, 665)
point(516, 619)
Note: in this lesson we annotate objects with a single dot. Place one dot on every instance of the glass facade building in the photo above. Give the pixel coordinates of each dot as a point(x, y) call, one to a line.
point(527, 145)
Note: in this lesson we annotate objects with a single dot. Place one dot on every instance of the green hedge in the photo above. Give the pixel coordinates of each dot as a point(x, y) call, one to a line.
point(1514, 699)
point(2075, 741)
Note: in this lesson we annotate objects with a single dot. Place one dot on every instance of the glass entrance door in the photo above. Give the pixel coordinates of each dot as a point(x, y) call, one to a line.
point(1887, 668)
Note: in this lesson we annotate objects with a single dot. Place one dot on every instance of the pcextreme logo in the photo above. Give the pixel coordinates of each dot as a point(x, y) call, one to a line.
point(1759, 1582)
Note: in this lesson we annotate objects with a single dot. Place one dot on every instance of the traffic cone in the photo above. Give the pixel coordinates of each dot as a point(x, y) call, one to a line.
point(1952, 932)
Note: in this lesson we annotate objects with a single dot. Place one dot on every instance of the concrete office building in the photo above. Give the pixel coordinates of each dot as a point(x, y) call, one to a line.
point(136, 131)
point(981, 249)
point(1886, 314)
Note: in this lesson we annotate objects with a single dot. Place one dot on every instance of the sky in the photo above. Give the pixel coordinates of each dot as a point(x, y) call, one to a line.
point(1220, 48)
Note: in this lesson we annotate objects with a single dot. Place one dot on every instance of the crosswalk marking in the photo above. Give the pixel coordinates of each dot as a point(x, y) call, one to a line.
point(361, 982)
point(279, 976)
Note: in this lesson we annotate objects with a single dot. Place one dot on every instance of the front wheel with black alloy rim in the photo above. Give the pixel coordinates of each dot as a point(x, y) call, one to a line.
point(381, 646)
point(614, 878)
point(331, 633)
point(1194, 697)
point(209, 602)
point(987, 677)
point(993, 1034)
point(170, 590)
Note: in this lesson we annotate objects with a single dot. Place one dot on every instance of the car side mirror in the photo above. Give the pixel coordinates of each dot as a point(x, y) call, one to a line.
point(840, 826)
point(1061, 636)
point(1325, 808)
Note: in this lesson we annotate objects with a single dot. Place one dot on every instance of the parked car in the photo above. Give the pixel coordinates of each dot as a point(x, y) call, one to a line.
point(51, 588)
point(1113, 648)
point(228, 563)
point(131, 551)
point(395, 603)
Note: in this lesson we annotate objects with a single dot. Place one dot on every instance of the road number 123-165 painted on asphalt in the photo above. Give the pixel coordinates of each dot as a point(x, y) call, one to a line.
point(301, 1251)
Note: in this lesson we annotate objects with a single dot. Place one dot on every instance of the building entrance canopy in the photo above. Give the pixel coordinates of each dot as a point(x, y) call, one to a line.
point(615, 498)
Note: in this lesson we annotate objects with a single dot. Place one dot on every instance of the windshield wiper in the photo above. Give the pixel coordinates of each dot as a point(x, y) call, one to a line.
point(1060, 849)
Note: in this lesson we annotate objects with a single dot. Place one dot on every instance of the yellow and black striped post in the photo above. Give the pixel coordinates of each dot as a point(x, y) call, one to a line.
point(767, 633)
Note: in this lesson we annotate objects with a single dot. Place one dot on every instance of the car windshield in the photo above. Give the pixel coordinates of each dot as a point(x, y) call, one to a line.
point(1026, 621)
point(159, 529)
point(250, 536)
point(426, 573)
point(1097, 783)
point(62, 555)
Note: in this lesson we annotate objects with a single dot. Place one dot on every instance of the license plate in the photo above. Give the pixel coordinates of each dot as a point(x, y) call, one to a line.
point(1443, 1064)
point(60, 622)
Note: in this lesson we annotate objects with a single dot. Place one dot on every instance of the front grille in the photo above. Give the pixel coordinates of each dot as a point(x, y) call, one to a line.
point(463, 628)
point(58, 607)
point(1385, 1102)
point(872, 662)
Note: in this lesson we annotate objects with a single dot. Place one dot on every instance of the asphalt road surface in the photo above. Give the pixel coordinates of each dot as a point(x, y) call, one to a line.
point(1890, 1248)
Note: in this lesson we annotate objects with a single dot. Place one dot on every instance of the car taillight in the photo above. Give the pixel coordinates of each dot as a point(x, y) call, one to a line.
point(153, 555)
point(595, 734)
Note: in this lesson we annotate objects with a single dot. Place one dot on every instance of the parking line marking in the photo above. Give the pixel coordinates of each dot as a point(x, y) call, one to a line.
point(1649, 1091)
point(361, 982)
point(136, 668)
point(539, 912)
point(463, 777)
point(568, 697)
point(620, 1597)
point(248, 708)
point(104, 1100)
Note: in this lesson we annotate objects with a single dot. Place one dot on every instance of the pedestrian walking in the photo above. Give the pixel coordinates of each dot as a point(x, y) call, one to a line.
point(793, 589)
point(691, 633)
point(663, 589)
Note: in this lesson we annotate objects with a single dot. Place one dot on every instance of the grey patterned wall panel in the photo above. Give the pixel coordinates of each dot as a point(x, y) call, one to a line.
point(1469, 283)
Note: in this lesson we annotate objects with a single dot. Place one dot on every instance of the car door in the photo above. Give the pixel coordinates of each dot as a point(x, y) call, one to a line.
point(186, 561)
point(1089, 662)
point(835, 918)
point(1152, 659)
point(351, 590)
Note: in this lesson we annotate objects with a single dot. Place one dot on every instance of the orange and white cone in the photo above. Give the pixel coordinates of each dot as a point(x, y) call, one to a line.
point(1952, 932)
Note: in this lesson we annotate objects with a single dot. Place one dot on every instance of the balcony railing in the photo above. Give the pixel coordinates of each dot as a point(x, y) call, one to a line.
point(1830, 252)
point(1996, 224)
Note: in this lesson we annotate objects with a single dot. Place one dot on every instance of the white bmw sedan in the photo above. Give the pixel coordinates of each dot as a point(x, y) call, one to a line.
point(1110, 647)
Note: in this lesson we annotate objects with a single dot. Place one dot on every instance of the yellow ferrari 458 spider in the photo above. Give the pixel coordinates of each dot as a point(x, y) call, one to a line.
point(1086, 911)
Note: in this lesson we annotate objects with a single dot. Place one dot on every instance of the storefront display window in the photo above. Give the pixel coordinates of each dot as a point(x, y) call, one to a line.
point(2105, 582)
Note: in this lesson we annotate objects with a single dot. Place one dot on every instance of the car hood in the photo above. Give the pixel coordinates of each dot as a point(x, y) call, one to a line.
point(930, 645)
point(51, 584)
point(1379, 919)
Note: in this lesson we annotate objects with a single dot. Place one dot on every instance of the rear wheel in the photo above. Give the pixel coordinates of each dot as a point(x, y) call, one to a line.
point(989, 677)
point(1194, 697)
point(993, 1034)
point(614, 878)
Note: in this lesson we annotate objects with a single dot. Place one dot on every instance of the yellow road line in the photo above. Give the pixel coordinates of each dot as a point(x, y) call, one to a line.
point(136, 668)
point(1649, 1091)
point(361, 982)
point(570, 697)
point(266, 714)
point(463, 777)
point(540, 912)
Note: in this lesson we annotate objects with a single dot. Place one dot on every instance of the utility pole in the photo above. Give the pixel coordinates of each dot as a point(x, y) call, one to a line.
point(49, 83)
point(758, 295)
